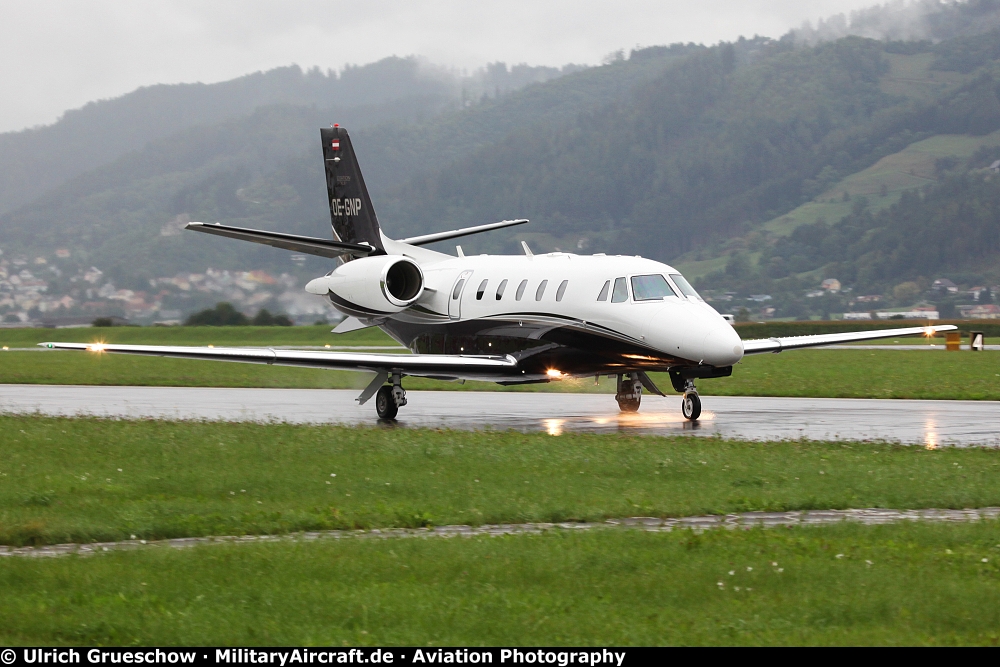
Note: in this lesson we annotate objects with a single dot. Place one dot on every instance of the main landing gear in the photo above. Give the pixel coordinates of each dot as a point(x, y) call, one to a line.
point(629, 392)
point(389, 398)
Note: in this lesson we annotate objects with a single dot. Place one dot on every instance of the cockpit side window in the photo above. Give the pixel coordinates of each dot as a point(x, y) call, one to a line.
point(651, 288)
point(684, 286)
point(620, 292)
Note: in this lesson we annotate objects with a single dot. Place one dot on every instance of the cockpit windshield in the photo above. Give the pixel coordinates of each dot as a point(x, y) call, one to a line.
point(684, 286)
point(651, 288)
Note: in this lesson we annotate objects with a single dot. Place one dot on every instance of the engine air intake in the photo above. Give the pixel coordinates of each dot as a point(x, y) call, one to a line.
point(403, 281)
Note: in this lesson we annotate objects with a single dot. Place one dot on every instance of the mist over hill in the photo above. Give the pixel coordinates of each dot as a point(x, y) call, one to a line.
point(36, 160)
point(708, 157)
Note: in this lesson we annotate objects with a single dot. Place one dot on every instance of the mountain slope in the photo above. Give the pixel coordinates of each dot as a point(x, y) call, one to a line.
point(264, 170)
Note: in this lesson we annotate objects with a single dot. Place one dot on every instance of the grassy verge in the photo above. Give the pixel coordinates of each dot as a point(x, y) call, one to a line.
point(86, 479)
point(231, 336)
point(846, 585)
point(808, 373)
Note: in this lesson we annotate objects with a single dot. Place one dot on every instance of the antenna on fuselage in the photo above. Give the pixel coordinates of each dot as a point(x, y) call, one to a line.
point(527, 250)
point(461, 253)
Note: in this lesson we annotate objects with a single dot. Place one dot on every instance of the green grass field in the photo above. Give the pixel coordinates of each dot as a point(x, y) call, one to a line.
point(228, 336)
point(808, 373)
point(841, 585)
point(73, 480)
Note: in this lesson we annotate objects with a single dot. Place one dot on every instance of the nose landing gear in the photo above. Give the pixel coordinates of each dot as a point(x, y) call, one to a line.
point(691, 403)
point(629, 392)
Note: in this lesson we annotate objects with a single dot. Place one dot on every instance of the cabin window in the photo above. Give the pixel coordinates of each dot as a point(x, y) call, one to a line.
point(684, 286)
point(620, 293)
point(541, 290)
point(562, 290)
point(651, 288)
point(520, 290)
point(603, 296)
point(503, 286)
point(458, 288)
point(481, 291)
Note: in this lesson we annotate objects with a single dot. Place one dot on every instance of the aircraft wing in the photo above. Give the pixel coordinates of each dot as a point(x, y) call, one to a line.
point(441, 366)
point(797, 342)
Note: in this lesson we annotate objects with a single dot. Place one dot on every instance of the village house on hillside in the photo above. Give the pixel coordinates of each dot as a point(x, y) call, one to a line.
point(830, 285)
point(984, 312)
point(944, 285)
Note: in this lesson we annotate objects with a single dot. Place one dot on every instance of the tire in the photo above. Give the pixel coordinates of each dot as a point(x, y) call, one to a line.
point(628, 404)
point(691, 406)
point(385, 404)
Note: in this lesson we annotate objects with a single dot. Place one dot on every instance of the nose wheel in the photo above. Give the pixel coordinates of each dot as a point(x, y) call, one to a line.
point(691, 403)
point(691, 406)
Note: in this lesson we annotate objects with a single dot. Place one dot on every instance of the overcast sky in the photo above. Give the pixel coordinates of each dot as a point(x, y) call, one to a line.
point(59, 54)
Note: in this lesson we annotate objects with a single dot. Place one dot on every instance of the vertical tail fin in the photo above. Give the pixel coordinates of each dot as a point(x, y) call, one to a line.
point(351, 212)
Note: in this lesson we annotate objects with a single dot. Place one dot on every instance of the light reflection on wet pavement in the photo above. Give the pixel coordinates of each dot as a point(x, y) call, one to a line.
point(928, 423)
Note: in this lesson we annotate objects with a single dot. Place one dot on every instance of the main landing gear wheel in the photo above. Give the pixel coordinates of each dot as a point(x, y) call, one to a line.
point(628, 404)
point(629, 392)
point(691, 405)
point(385, 403)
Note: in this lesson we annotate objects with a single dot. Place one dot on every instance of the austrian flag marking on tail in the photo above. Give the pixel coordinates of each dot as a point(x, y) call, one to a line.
point(335, 144)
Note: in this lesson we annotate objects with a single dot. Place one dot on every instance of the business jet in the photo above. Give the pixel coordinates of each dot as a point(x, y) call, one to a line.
point(507, 319)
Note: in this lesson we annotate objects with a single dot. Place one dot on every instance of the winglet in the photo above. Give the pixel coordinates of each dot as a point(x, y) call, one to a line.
point(527, 250)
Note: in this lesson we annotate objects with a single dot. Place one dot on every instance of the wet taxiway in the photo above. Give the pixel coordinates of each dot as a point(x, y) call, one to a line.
point(927, 423)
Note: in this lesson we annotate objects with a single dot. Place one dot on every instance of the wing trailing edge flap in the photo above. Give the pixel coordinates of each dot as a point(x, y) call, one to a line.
point(304, 244)
point(430, 365)
point(798, 342)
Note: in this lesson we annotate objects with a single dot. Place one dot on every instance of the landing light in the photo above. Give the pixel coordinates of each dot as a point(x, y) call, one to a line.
point(929, 332)
point(553, 373)
point(97, 347)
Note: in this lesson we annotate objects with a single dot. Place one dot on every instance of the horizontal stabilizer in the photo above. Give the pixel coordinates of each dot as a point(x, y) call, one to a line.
point(819, 340)
point(304, 244)
point(456, 233)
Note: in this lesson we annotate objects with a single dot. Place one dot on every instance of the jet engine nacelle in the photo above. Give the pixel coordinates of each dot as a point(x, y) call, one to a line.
point(372, 286)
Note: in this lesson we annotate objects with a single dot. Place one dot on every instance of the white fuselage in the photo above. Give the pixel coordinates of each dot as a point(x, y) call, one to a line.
point(560, 289)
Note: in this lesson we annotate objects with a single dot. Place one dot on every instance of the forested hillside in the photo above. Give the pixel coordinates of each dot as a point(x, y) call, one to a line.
point(754, 165)
point(36, 160)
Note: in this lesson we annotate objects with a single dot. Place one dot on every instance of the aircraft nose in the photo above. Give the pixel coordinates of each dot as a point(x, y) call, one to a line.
point(722, 346)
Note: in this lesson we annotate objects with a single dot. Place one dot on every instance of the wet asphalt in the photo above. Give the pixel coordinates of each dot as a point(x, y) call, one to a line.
point(925, 423)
